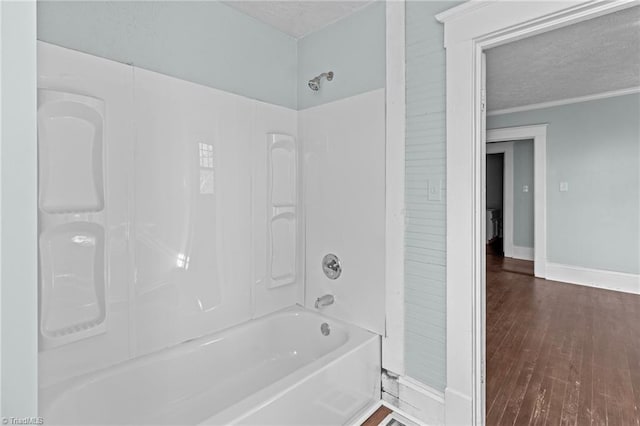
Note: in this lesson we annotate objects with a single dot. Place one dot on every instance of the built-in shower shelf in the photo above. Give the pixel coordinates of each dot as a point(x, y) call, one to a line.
point(282, 210)
point(73, 276)
point(72, 220)
point(75, 329)
point(70, 140)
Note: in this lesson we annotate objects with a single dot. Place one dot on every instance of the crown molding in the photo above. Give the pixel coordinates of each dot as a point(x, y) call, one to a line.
point(463, 9)
point(541, 105)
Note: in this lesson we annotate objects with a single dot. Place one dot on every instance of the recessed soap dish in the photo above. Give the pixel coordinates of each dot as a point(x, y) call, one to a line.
point(73, 301)
point(70, 144)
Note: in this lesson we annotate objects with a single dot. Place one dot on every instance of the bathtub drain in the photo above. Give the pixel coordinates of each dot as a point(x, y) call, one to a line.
point(324, 328)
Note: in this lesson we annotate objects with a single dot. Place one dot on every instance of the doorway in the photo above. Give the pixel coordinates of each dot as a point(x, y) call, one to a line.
point(523, 218)
point(469, 30)
point(545, 357)
point(495, 203)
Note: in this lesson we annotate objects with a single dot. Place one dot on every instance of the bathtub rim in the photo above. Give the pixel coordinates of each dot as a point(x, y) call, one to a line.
point(260, 399)
point(357, 337)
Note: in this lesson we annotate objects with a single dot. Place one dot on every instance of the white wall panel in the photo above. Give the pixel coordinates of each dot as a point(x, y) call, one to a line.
point(190, 275)
point(344, 181)
point(270, 119)
point(194, 260)
point(180, 209)
point(71, 72)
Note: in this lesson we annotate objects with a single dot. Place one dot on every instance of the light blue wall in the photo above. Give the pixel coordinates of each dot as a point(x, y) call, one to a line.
point(353, 48)
point(425, 241)
point(18, 213)
point(204, 42)
point(595, 147)
point(210, 43)
point(523, 207)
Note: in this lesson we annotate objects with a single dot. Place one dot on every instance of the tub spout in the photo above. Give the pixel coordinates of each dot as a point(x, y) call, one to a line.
point(325, 300)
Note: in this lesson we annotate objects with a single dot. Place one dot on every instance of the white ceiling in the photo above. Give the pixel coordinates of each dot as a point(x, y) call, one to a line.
point(591, 57)
point(298, 18)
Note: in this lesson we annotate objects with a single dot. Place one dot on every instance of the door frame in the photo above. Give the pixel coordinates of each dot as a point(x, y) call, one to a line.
point(393, 340)
point(538, 133)
point(470, 29)
point(18, 211)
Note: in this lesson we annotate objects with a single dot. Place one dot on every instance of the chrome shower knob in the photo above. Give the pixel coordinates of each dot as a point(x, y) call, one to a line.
point(331, 266)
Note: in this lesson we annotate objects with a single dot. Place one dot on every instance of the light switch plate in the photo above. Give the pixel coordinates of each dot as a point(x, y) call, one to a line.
point(525, 188)
point(434, 191)
point(564, 186)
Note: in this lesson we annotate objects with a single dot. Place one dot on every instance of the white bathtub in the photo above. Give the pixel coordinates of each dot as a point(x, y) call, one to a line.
point(278, 370)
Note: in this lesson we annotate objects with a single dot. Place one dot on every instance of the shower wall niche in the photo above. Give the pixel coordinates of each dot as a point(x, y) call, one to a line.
point(282, 210)
point(72, 220)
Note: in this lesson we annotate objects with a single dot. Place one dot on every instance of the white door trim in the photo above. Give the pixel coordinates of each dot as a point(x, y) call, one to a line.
point(468, 32)
point(539, 135)
point(505, 148)
point(393, 340)
point(18, 210)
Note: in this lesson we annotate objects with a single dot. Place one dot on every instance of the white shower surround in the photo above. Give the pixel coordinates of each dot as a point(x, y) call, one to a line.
point(162, 216)
point(179, 264)
point(344, 180)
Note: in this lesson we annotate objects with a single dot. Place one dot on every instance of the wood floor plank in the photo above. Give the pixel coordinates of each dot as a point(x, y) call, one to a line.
point(377, 417)
point(585, 397)
point(506, 385)
point(614, 413)
point(556, 402)
point(542, 402)
point(531, 354)
point(536, 396)
point(598, 402)
point(633, 358)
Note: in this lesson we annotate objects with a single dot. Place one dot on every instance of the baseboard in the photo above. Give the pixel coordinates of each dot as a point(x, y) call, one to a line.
point(608, 280)
point(416, 400)
point(459, 408)
point(507, 249)
point(402, 416)
point(522, 253)
point(365, 414)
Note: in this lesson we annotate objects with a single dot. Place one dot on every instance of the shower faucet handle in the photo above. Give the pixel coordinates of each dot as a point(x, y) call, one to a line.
point(331, 266)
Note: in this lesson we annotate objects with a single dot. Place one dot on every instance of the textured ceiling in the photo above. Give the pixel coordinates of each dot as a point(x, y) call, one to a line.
point(298, 18)
point(594, 56)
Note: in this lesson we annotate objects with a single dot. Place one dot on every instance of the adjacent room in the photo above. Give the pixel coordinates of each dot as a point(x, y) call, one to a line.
point(563, 327)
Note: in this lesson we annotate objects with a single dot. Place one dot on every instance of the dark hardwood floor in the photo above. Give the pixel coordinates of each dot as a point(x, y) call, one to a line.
point(378, 416)
point(559, 354)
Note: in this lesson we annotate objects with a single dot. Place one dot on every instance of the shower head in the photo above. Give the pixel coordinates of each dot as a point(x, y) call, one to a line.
point(314, 83)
